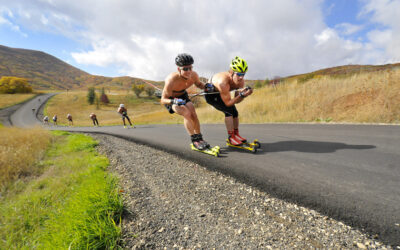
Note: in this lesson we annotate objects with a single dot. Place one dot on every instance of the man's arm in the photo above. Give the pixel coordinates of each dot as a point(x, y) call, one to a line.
point(167, 92)
point(197, 81)
point(226, 95)
point(245, 93)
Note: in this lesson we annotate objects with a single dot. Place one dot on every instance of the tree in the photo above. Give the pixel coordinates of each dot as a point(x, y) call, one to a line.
point(104, 97)
point(12, 85)
point(258, 84)
point(150, 91)
point(266, 82)
point(91, 96)
point(138, 89)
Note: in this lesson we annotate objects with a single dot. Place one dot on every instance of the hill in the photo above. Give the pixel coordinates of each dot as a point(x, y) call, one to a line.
point(45, 71)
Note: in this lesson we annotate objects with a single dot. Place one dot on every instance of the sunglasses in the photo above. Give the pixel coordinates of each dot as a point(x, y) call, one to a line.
point(186, 68)
point(240, 74)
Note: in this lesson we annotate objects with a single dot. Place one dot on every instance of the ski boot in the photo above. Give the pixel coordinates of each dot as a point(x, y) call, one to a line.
point(236, 133)
point(198, 144)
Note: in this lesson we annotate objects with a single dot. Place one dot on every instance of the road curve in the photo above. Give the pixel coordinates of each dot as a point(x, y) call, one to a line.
point(349, 172)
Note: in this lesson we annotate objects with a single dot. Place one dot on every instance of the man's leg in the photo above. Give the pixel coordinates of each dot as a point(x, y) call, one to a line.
point(129, 120)
point(236, 129)
point(236, 122)
point(196, 125)
point(187, 118)
point(229, 123)
point(190, 125)
point(194, 118)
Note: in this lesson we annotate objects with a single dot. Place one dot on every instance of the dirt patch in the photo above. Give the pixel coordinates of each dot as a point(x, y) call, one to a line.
point(353, 101)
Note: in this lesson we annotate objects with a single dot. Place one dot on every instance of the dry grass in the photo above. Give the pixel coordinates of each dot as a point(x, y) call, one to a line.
point(142, 110)
point(7, 100)
point(368, 97)
point(19, 149)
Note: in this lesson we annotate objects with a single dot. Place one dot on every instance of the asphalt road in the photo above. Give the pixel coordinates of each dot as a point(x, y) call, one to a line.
point(349, 172)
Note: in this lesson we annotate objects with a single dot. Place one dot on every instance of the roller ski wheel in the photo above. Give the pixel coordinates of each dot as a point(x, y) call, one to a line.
point(256, 143)
point(252, 147)
point(214, 151)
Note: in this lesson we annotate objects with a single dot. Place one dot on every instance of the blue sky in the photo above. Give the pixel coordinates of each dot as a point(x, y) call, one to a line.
point(142, 38)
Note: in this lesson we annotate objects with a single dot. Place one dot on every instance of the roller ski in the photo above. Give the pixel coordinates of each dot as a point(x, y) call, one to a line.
point(198, 144)
point(210, 151)
point(252, 147)
point(236, 141)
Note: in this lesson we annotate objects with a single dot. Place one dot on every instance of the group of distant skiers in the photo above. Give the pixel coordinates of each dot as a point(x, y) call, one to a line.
point(216, 91)
point(121, 110)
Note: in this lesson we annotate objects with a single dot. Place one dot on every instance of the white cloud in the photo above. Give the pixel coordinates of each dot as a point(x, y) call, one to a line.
point(7, 22)
point(348, 28)
point(276, 37)
point(385, 13)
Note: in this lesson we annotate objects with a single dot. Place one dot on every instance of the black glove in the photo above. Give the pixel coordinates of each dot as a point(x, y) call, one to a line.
point(178, 101)
point(209, 87)
point(241, 93)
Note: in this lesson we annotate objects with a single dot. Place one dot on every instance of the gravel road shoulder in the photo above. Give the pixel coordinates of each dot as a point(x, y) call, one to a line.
point(175, 203)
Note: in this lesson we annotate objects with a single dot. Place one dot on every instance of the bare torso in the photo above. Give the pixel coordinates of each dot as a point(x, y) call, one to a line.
point(175, 85)
point(224, 83)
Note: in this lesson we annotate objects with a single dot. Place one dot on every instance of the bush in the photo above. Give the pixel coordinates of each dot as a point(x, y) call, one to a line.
point(104, 97)
point(138, 89)
point(12, 85)
point(91, 96)
point(150, 91)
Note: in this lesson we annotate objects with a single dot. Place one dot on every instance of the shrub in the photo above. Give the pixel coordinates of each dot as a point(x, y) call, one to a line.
point(104, 97)
point(138, 89)
point(12, 85)
point(91, 96)
point(149, 91)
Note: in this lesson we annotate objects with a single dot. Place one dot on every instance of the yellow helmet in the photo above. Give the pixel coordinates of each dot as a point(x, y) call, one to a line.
point(239, 65)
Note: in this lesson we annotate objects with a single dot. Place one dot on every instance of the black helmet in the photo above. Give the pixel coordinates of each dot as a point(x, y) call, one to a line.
point(184, 60)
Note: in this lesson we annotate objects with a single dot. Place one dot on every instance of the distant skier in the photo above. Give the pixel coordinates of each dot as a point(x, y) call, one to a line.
point(46, 120)
point(55, 120)
point(124, 114)
point(69, 118)
point(94, 119)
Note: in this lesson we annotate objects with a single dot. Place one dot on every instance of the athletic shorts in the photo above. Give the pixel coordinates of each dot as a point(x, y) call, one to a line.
point(216, 101)
point(124, 115)
point(184, 96)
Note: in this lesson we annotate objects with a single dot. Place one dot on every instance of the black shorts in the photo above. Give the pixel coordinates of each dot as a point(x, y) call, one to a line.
point(216, 101)
point(124, 115)
point(184, 96)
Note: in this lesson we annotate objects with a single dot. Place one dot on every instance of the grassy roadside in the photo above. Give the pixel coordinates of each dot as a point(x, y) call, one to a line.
point(70, 201)
point(75, 103)
point(8, 100)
